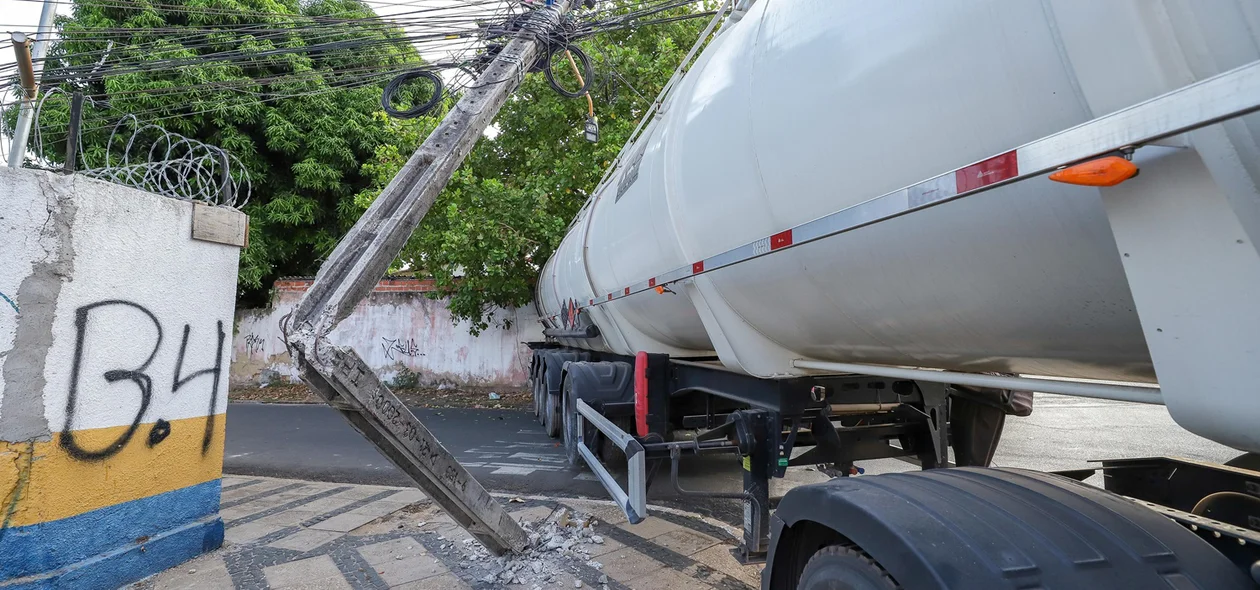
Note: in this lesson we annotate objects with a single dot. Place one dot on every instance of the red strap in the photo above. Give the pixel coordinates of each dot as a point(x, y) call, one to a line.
point(640, 393)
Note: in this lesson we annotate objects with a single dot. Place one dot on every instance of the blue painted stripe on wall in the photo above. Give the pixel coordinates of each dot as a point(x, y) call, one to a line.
point(56, 544)
point(131, 562)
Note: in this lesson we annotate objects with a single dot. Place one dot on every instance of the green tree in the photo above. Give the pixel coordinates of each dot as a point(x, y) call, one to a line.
point(292, 88)
point(507, 208)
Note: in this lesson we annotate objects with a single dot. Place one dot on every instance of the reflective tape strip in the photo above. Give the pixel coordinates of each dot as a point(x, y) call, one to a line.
point(781, 240)
point(1221, 97)
point(982, 174)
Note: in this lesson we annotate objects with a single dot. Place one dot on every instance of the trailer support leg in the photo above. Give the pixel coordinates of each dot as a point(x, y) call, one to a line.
point(757, 463)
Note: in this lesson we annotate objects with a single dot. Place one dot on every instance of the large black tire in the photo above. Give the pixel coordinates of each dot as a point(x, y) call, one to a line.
point(540, 389)
point(613, 458)
point(837, 567)
point(551, 415)
point(571, 425)
point(970, 527)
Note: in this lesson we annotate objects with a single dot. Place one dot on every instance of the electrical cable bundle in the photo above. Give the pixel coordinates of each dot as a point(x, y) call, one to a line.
point(586, 67)
point(394, 85)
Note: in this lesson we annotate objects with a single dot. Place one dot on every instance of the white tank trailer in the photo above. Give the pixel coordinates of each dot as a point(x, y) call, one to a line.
point(846, 196)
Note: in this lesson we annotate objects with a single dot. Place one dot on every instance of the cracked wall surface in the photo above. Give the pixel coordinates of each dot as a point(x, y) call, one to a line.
point(115, 330)
point(402, 333)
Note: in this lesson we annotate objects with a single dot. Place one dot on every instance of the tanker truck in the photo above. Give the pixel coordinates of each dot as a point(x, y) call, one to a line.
point(858, 230)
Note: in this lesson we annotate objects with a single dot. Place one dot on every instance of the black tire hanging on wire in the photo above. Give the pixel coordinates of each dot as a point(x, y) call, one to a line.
point(388, 94)
point(588, 76)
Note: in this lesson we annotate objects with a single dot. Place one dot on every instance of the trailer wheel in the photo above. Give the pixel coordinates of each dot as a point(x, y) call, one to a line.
point(571, 423)
point(841, 567)
point(551, 415)
point(540, 390)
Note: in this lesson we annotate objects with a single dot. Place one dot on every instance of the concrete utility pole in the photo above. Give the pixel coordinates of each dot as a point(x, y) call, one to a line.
point(35, 57)
point(359, 262)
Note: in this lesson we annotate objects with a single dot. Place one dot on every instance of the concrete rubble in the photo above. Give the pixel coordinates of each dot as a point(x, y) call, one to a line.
point(558, 544)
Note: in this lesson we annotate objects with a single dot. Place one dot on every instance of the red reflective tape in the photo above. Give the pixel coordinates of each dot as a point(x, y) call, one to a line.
point(592, 302)
point(627, 290)
point(652, 282)
point(610, 296)
point(697, 267)
point(640, 393)
point(781, 239)
point(995, 169)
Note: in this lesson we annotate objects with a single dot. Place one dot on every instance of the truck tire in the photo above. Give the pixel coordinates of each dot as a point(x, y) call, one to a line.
point(971, 527)
point(540, 390)
point(551, 415)
point(837, 566)
point(570, 423)
point(609, 453)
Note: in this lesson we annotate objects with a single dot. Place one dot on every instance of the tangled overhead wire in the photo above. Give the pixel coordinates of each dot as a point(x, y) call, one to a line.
point(546, 26)
point(586, 78)
point(387, 96)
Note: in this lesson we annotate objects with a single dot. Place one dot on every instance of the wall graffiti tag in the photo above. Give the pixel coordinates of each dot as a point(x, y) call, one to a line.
point(10, 302)
point(401, 347)
point(140, 378)
point(253, 344)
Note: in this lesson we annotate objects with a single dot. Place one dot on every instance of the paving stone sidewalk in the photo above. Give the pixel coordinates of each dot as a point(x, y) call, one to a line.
point(312, 535)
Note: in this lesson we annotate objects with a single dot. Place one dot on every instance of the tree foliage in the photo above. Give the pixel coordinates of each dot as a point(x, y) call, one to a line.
point(301, 119)
point(506, 210)
point(307, 124)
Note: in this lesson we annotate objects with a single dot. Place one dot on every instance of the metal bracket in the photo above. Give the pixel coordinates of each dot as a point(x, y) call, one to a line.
point(936, 408)
point(784, 457)
point(827, 446)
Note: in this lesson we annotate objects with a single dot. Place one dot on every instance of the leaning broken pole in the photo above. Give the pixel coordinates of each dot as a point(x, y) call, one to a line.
point(359, 262)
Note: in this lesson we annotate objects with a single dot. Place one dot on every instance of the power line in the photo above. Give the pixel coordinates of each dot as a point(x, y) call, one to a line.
point(502, 21)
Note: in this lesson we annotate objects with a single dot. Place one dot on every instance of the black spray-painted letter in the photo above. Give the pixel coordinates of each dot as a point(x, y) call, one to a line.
point(216, 370)
point(136, 376)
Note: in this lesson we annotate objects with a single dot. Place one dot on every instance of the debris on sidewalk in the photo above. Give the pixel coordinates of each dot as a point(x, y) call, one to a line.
point(559, 545)
point(318, 534)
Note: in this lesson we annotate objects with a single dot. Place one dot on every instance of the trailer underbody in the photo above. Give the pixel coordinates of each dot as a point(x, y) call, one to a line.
point(648, 412)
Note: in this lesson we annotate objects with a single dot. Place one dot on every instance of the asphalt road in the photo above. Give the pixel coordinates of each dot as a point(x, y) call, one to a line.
point(508, 452)
point(505, 449)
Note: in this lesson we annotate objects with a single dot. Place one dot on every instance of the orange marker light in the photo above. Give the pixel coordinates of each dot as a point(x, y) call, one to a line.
point(1108, 171)
point(660, 290)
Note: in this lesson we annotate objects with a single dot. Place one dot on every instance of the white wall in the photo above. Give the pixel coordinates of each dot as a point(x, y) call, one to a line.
point(113, 380)
point(396, 328)
point(130, 280)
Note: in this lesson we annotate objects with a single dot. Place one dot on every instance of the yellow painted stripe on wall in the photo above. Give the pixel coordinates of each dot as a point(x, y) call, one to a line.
point(41, 481)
